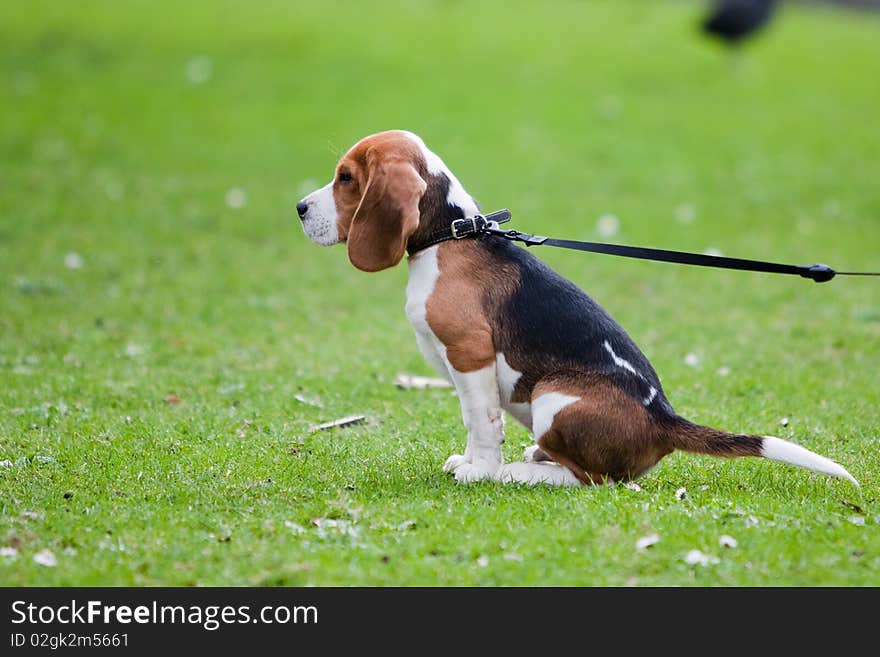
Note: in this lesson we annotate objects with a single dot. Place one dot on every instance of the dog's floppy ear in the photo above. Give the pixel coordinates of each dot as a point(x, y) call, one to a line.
point(387, 215)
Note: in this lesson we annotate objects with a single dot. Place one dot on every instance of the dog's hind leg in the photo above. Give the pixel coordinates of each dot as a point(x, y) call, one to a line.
point(541, 472)
point(534, 454)
point(601, 433)
point(539, 466)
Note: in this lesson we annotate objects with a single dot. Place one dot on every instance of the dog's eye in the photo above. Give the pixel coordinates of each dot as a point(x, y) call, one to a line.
point(344, 177)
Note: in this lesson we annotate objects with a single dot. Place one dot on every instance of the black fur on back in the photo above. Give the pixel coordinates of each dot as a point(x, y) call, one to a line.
point(549, 324)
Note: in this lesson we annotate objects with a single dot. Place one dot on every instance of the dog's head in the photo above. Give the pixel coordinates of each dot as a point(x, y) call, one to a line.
point(372, 203)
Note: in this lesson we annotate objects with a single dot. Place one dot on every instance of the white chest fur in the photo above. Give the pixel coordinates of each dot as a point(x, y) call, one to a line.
point(423, 275)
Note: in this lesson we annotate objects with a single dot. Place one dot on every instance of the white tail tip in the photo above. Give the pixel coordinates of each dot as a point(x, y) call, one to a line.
point(778, 449)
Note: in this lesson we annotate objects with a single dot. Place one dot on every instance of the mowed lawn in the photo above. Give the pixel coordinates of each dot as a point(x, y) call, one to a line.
point(168, 335)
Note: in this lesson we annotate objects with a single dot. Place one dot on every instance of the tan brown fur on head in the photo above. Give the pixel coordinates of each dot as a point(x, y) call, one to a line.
point(377, 190)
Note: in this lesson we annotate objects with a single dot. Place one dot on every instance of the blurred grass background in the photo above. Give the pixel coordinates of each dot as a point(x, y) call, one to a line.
point(151, 154)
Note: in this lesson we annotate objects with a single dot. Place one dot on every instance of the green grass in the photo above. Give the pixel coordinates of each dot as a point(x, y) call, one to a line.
point(561, 111)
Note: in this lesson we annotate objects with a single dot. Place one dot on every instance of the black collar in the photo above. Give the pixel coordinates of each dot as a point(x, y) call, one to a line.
point(459, 229)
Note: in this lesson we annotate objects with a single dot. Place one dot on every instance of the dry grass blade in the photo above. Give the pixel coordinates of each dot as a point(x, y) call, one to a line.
point(412, 381)
point(341, 422)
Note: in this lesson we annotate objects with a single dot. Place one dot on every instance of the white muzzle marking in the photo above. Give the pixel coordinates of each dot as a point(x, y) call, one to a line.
point(320, 220)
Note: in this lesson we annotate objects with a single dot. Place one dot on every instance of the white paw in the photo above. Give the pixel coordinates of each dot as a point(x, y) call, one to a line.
point(453, 462)
point(468, 472)
point(529, 453)
point(542, 472)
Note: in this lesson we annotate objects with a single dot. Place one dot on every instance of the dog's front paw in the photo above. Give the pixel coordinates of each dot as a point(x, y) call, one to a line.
point(453, 463)
point(468, 472)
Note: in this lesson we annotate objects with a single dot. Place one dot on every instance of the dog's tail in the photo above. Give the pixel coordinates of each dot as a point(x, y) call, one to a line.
point(691, 437)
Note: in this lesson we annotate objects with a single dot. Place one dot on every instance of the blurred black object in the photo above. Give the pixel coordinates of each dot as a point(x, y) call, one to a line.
point(734, 20)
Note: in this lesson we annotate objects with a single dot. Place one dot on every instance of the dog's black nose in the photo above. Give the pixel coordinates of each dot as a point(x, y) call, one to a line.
point(301, 208)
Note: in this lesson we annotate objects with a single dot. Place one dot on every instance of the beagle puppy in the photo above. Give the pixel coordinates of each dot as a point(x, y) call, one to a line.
point(510, 333)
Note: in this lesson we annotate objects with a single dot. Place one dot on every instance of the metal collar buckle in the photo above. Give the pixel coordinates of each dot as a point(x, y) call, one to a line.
point(460, 229)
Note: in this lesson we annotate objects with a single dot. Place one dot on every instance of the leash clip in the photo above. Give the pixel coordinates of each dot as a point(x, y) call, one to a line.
point(525, 238)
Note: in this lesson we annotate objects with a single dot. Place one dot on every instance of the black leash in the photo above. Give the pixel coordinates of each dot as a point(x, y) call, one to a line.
point(490, 225)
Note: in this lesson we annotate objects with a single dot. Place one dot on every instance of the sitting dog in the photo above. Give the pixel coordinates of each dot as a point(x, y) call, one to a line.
point(510, 333)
